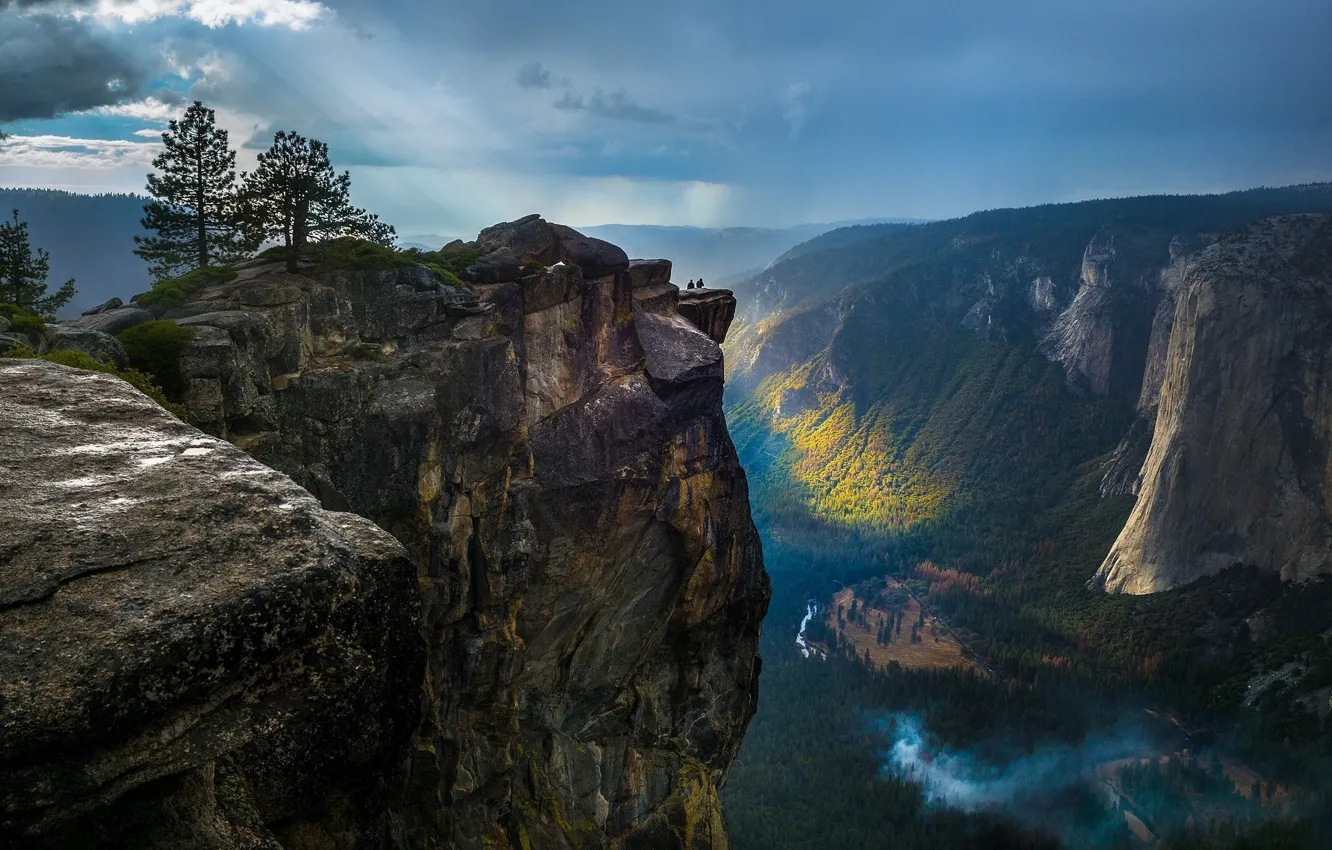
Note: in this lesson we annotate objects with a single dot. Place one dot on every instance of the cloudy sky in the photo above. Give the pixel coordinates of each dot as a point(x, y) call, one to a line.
point(454, 115)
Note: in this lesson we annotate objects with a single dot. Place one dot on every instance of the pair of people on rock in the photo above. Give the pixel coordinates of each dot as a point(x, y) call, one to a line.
point(693, 285)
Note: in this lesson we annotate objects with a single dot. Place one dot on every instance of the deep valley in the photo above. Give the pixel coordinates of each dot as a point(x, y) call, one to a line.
point(962, 409)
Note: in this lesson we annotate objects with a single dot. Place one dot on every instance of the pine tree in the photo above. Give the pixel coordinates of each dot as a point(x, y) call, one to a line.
point(294, 195)
point(195, 211)
point(23, 272)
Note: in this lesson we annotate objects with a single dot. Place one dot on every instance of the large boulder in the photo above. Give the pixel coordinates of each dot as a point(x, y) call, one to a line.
point(498, 266)
point(596, 257)
point(645, 273)
point(710, 310)
point(11, 342)
point(113, 321)
point(531, 238)
point(99, 345)
point(110, 304)
point(193, 653)
point(675, 351)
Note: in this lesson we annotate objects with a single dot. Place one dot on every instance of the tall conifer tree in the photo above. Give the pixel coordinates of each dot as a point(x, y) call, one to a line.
point(195, 211)
point(295, 196)
point(23, 272)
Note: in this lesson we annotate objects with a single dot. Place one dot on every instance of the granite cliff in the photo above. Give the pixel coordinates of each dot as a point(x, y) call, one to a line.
point(547, 444)
point(1237, 471)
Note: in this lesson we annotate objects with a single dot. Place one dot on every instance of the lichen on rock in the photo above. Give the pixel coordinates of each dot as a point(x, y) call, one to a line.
point(193, 652)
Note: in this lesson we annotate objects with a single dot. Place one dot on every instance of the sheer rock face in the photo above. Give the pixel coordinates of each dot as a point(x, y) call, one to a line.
point(1123, 473)
point(552, 452)
point(1238, 468)
point(193, 653)
point(1101, 337)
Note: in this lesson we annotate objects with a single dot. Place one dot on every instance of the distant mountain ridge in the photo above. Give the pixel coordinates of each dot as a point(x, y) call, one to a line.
point(882, 366)
point(715, 253)
point(90, 238)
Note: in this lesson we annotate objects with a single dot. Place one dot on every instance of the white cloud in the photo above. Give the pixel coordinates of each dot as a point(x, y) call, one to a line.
point(64, 152)
point(293, 14)
point(424, 199)
point(149, 133)
point(148, 109)
point(795, 106)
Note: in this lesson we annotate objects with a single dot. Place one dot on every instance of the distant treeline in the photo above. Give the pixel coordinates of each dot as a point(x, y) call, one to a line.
point(90, 238)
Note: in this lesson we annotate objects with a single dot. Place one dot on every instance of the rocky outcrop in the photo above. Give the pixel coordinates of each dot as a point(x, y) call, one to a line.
point(193, 653)
point(96, 344)
point(1238, 472)
point(113, 320)
point(549, 445)
point(1101, 337)
point(63, 336)
point(711, 311)
point(109, 304)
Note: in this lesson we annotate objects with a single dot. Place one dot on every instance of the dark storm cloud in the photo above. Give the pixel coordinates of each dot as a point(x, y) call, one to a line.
point(54, 65)
point(616, 106)
point(835, 110)
point(533, 76)
point(857, 108)
point(42, 5)
point(171, 97)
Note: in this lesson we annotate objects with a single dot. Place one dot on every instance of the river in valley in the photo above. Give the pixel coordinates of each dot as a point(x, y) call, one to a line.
point(810, 610)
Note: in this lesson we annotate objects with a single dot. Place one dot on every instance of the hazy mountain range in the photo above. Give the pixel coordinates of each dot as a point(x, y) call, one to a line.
point(91, 239)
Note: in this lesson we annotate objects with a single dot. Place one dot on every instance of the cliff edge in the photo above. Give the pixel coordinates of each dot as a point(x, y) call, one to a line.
point(548, 443)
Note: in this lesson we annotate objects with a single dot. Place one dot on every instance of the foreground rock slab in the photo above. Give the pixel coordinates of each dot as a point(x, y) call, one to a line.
point(193, 653)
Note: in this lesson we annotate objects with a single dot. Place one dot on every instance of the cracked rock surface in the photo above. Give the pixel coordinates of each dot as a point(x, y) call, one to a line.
point(193, 652)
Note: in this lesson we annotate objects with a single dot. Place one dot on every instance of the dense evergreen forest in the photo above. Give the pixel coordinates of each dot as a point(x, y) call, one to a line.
point(814, 770)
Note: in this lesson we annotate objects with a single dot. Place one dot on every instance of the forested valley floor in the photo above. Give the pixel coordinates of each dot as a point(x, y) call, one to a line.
point(1029, 756)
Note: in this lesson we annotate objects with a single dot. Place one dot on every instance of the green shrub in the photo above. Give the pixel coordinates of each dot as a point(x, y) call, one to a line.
point(275, 254)
point(168, 294)
point(445, 276)
point(346, 253)
point(454, 262)
point(349, 254)
point(154, 347)
point(533, 268)
point(449, 266)
point(21, 319)
point(82, 360)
